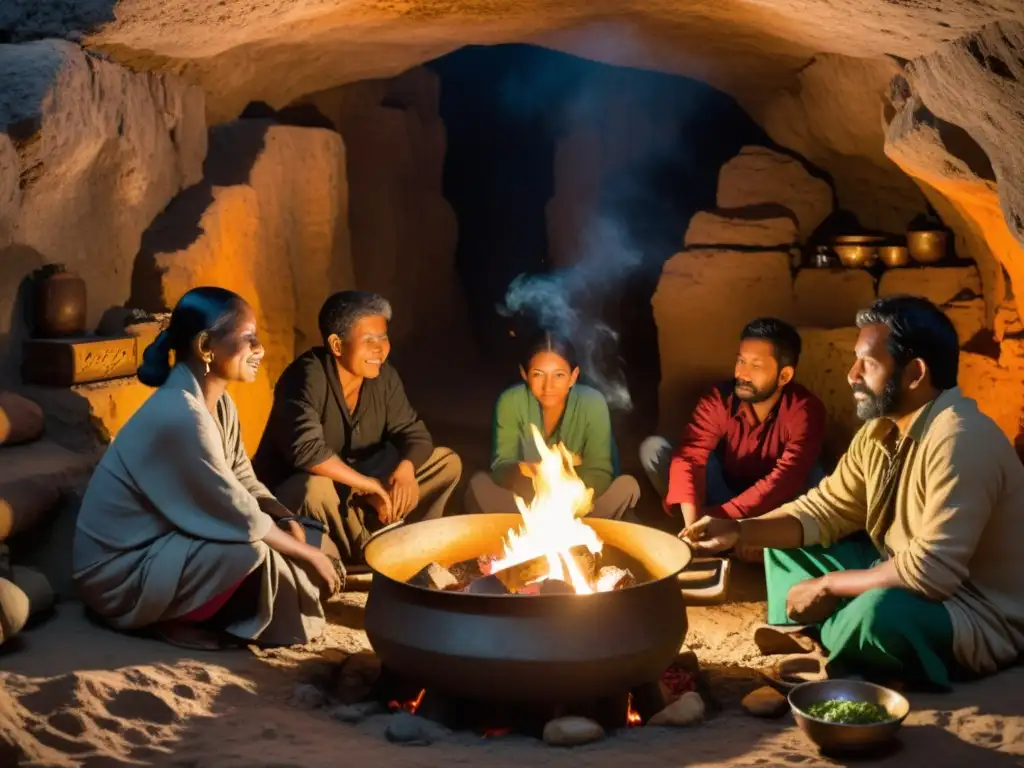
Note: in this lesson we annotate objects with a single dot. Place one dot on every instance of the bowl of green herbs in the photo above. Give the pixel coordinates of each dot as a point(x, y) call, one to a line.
point(848, 715)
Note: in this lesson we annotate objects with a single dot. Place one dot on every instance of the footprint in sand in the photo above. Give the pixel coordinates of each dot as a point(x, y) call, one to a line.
point(51, 695)
point(68, 723)
point(184, 692)
point(141, 705)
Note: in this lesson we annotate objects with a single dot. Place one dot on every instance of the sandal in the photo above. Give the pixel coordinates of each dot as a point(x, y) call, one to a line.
point(791, 671)
point(774, 640)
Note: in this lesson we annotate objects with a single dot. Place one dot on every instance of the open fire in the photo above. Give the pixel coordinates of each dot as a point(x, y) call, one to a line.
point(553, 551)
point(551, 522)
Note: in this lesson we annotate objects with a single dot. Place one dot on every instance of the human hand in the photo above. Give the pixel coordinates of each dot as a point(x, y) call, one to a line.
point(810, 601)
point(296, 530)
point(325, 569)
point(711, 535)
point(405, 491)
point(378, 498)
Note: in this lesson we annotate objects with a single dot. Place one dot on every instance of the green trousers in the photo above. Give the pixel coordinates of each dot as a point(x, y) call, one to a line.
point(884, 633)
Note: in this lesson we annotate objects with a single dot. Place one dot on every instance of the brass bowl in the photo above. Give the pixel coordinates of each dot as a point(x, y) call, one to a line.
point(927, 246)
point(856, 256)
point(858, 239)
point(840, 737)
point(894, 255)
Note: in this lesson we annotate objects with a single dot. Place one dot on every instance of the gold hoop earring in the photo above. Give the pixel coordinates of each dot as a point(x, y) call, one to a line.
point(207, 362)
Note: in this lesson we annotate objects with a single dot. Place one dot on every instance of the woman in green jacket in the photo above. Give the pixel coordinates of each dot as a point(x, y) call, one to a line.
point(565, 412)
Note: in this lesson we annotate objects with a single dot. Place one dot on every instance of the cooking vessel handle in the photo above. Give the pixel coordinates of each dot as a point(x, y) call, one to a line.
point(705, 580)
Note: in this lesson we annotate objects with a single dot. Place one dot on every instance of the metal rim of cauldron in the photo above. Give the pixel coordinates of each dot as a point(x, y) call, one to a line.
point(517, 648)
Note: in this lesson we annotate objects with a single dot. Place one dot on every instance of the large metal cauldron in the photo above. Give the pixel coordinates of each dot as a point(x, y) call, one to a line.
point(537, 648)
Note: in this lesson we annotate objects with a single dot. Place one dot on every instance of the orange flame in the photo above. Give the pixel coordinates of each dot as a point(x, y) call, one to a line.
point(551, 522)
point(633, 719)
point(409, 706)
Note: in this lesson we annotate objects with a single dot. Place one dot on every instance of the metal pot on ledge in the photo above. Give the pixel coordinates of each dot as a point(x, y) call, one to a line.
point(927, 246)
point(857, 251)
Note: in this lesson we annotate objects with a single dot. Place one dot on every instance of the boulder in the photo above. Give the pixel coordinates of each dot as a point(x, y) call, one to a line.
point(761, 176)
point(831, 117)
point(269, 221)
point(698, 330)
point(958, 178)
point(403, 229)
point(747, 227)
point(830, 298)
point(968, 318)
point(999, 390)
point(97, 151)
point(825, 360)
point(940, 285)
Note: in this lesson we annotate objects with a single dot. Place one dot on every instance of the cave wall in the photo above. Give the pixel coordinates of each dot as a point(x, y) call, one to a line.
point(403, 230)
point(268, 221)
point(90, 153)
point(956, 125)
point(832, 116)
point(736, 266)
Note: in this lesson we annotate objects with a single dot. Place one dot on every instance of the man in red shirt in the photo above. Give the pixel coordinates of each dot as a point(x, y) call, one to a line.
point(752, 444)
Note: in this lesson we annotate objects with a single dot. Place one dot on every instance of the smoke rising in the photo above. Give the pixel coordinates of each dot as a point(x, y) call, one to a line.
point(567, 301)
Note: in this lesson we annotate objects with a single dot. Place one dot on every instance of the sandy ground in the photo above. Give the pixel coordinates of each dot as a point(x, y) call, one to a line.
point(75, 694)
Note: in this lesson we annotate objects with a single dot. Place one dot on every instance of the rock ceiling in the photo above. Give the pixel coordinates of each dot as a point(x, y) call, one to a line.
point(814, 73)
point(240, 50)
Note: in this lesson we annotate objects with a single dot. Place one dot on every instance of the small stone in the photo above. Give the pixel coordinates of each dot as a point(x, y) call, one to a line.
point(356, 713)
point(688, 709)
point(765, 702)
point(413, 731)
point(572, 731)
point(308, 696)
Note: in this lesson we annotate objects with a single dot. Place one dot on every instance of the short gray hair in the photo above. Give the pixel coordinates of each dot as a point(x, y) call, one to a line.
point(344, 309)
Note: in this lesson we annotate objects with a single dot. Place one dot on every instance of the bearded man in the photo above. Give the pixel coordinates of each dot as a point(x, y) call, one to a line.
point(751, 444)
point(904, 562)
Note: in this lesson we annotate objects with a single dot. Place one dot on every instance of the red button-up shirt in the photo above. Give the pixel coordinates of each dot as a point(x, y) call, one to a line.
point(765, 463)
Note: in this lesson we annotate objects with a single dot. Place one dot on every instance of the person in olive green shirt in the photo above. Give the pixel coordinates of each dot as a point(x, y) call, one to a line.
point(565, 412)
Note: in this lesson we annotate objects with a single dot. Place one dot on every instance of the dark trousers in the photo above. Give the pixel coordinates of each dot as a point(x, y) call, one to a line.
point(349, 519)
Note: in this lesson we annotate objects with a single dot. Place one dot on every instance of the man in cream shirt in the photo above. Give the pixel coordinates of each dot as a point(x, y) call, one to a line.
point(904, 561)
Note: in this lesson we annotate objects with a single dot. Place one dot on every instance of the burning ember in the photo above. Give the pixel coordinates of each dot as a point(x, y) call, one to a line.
point(409, 706)
point(551, 522)
point(553, 551)
point(633, 719)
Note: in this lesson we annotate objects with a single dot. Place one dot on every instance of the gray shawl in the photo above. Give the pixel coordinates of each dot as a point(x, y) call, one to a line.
point(171, 518)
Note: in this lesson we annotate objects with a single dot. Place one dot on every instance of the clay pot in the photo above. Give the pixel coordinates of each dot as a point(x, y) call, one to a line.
point(59, 303)
point(927, 246)
point(894, 255)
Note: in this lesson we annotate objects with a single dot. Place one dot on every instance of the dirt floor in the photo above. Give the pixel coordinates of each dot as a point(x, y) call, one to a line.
point(75, 694)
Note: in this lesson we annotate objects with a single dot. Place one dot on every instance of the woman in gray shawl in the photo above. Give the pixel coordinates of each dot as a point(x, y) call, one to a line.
point(175, 533)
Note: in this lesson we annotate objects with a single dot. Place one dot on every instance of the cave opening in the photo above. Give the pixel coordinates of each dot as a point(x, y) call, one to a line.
point(573, 182)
